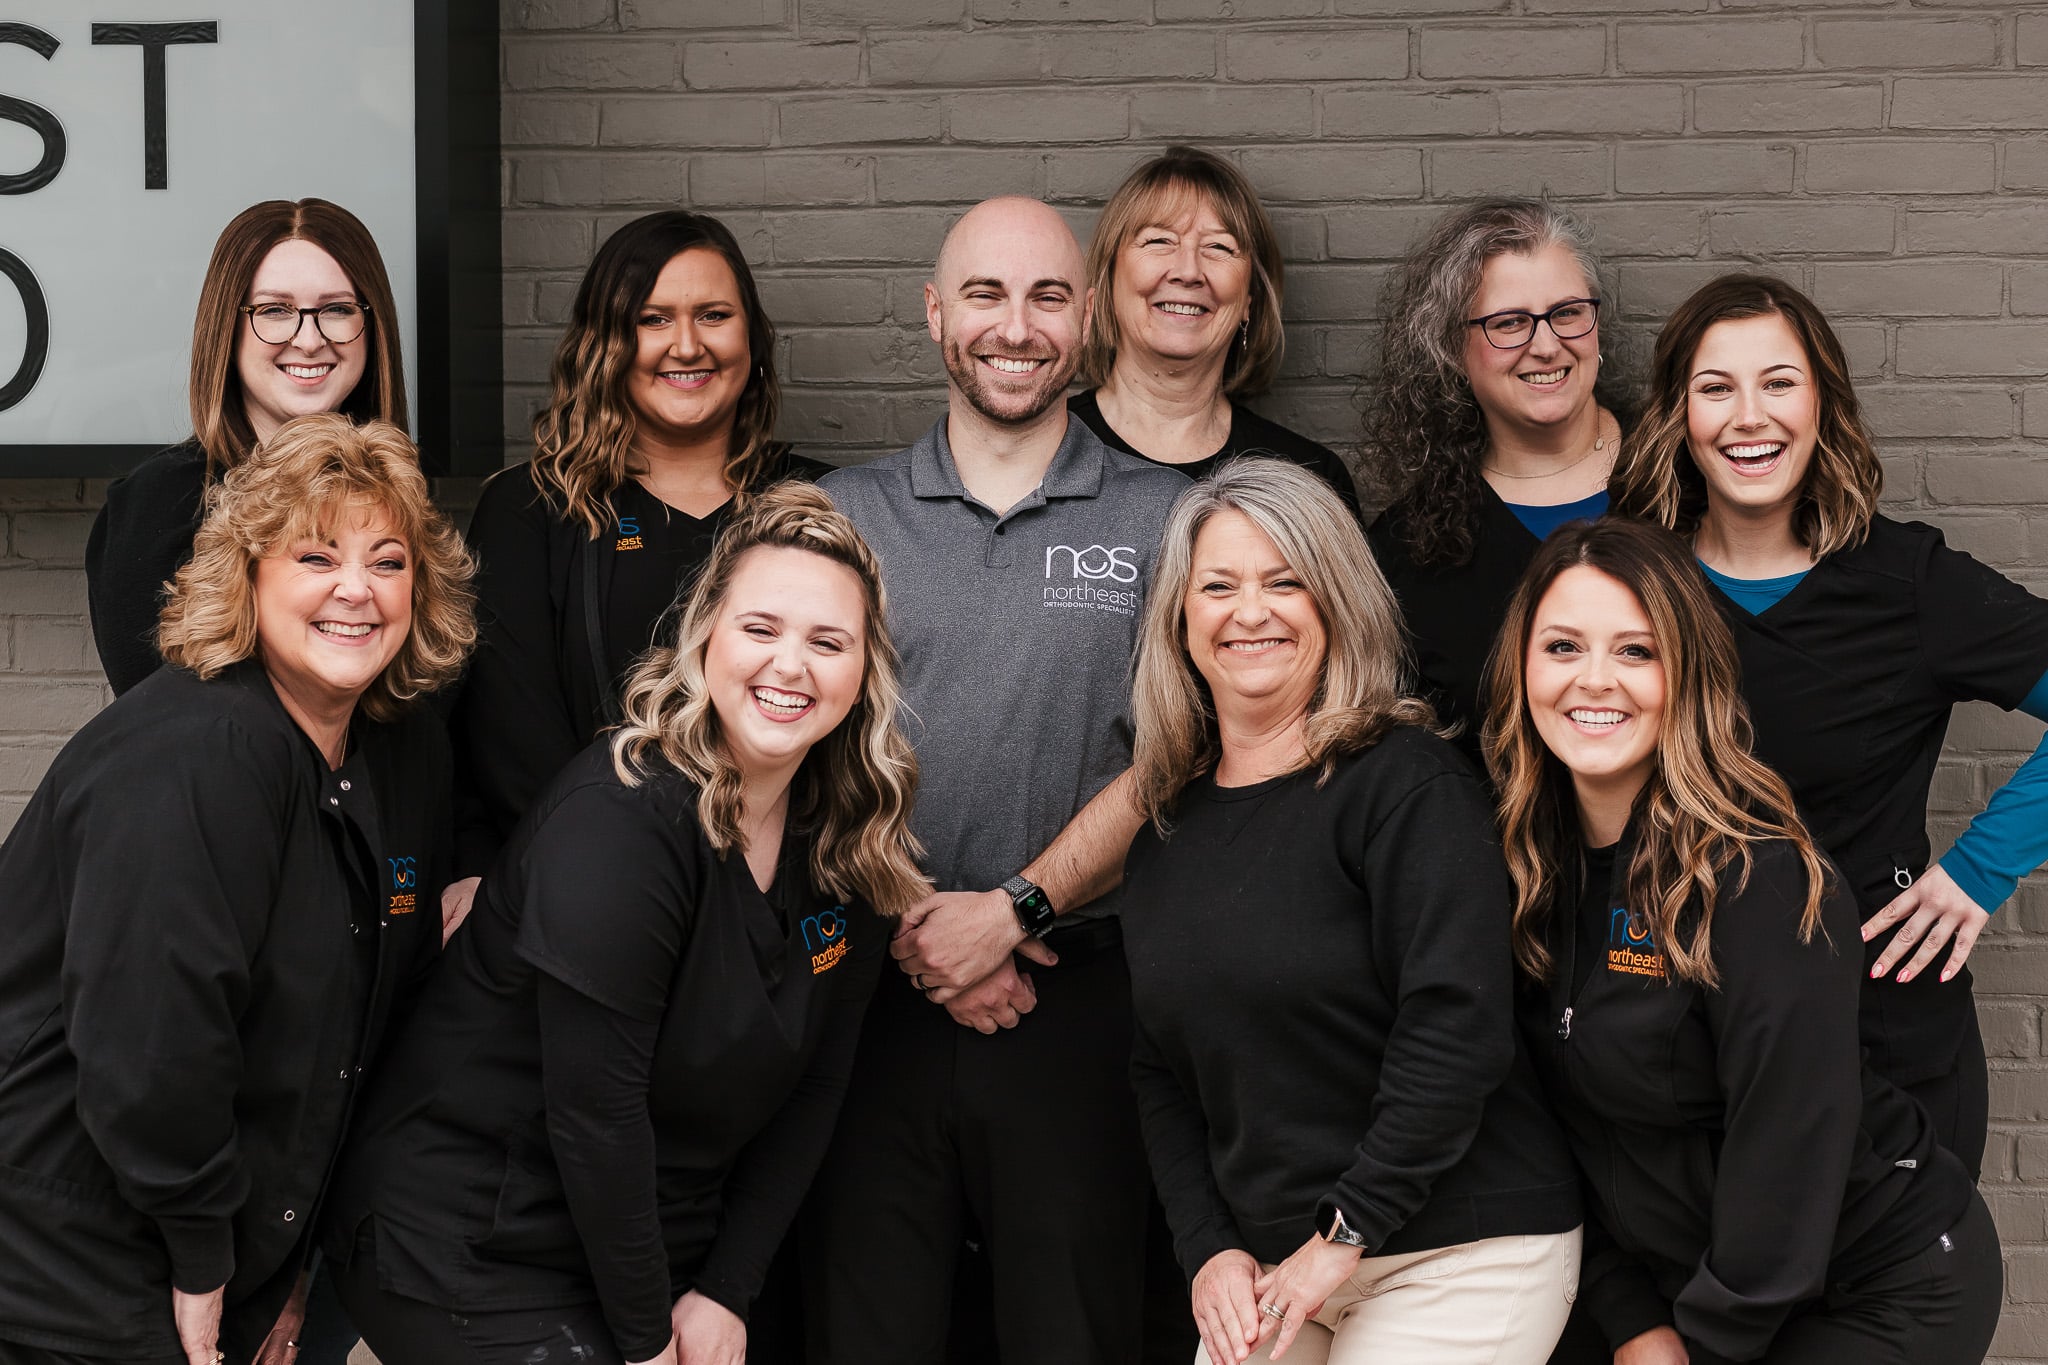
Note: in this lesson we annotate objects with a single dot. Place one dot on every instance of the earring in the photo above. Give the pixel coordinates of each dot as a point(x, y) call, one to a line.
point(1244, 333)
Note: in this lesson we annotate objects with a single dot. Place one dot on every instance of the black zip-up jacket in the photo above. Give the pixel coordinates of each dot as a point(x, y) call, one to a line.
point(203, 931)
point(1738, 1158)
point(140, 539)
point(541, 683)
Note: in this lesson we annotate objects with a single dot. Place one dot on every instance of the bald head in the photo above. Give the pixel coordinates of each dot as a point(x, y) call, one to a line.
point(1012, 228)
point(1007, 304)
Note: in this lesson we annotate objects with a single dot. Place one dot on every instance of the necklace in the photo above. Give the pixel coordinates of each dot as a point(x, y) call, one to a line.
point(1599, 444)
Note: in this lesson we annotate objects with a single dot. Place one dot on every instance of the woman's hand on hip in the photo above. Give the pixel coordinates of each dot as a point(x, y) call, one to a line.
point(1936, 912)
point(707, 1332)
point(1658, 1346)
point(197, 1317)
point(1295, 1289)
point(456, 899)
point(1226, 1310)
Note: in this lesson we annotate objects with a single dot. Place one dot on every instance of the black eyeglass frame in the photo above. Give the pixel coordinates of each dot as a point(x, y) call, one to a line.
point(249, 310)
point(1534, 319)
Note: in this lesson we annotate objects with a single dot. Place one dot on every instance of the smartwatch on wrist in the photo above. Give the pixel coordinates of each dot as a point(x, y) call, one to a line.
point(1035, 914)
point(1331, 1226)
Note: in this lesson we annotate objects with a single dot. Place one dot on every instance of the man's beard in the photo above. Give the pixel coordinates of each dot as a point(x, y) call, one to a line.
point(1010, 406)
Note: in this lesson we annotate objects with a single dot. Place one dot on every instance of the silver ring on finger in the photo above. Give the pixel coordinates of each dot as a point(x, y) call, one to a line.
point(917, 980)
point(1273, 1311)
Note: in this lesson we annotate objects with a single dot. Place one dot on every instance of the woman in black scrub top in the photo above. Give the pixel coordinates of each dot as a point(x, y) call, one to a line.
point(1492, 421)
point(295, 317)
point(1858, 634)
point(1755, 1192)
point(1186, 269)
point(596, 1127)
point(661, 421)
point(212, 905)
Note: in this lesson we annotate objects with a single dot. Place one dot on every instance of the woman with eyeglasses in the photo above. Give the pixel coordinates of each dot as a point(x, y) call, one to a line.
point(295, 317)
point(1492, 422)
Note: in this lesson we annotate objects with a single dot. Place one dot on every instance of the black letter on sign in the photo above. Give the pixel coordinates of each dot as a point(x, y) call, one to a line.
point(38, 310)
point(153, 39)
point(33, 115)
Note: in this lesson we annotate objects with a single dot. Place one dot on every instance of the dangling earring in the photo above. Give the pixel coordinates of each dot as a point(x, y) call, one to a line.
point(1244, 333)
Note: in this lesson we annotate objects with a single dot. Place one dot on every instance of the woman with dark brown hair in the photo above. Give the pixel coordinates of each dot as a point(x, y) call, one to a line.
point(215, 902)
point(1858, 635)
point(295, 317)
point(1690, 997)
point(661, 421)
point(1187, 271)
point(1494, 416)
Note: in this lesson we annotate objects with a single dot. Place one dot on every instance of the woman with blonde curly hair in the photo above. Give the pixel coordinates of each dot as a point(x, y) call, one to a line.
point(1756, 1191)
point(1495, 414)
point(598, 1125)
point(659, 425)
point(216, 898)
point(1350, 1144)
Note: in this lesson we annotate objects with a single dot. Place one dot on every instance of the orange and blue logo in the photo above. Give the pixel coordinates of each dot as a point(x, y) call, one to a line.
point(629, 535)
point(405, 880)
point(1631, 948)
point(825, 937)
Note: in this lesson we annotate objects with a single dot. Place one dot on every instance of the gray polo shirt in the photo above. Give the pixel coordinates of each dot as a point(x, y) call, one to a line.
point(1016, 633)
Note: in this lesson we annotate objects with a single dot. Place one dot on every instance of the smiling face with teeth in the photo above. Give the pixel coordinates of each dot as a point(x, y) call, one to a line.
point(1752, 415)
point(1253, 630)
point(1595, 686)
point(309, 373)
point(1181, 288)
point(1007, 309)
point(786, 658)
point(1545, 383)
point(332, 610)
point(692, 358)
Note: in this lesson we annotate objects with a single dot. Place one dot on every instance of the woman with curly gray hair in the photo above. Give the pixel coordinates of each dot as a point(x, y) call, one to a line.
point(1492, 422)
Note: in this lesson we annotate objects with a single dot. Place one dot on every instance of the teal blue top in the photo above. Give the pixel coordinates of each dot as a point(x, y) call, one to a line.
point(1541, 521)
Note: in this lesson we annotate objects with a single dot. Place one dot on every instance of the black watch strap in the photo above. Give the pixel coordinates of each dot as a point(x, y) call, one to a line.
point(1330, 1223)
point(1035, 912)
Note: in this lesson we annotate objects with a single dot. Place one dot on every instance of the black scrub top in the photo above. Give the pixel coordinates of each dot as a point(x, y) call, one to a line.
point(1850, 679)
point(140, 539)
point(721, 1024)
point(203, 930)
point(1250, 434)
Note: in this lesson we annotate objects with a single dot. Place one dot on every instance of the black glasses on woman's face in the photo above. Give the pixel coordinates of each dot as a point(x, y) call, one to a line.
point(277, 323)
point(1513, 327)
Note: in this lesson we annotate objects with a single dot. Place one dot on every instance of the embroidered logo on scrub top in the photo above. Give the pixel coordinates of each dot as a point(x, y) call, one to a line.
point(825, 937)
point(1630, 946)
point(405, 878)
point(629, 535)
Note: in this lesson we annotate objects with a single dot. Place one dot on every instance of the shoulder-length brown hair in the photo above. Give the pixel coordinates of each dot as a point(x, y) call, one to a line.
point(1424, 433)
point(220, 418)
point(1707, 799)
point(1359, 697)
point(855, 787)
point(583, 438)
point(298, 484)
point(1160, 191)
point(1656, 477)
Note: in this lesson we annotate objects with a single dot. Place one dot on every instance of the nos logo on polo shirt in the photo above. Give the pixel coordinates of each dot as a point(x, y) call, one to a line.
point(1087, 576)
point(825, 938)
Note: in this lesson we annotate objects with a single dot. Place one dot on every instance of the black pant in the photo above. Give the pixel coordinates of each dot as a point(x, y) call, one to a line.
point(403, 1331)
point(1030, 1132)
point(1959, 1101)
point(13, 1353)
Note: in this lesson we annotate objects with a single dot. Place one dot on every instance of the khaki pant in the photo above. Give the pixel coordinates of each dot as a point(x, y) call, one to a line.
point(1497, 1301)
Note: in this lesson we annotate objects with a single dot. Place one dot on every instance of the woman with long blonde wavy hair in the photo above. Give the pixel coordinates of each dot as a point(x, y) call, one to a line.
point(659, 425)
point(1690, 997)
point(598, 1126)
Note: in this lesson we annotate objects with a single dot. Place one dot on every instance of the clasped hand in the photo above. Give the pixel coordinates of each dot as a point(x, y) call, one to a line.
point(960, 949)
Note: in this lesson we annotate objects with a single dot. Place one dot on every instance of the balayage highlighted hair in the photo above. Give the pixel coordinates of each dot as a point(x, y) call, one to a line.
point(298, 485)
point(1158, 192)
point(1424, 432)
point(855, 787)
point(1359, 697)
point(583, 438)
point(1707, 799)
point(220, 421)
point(1656, 477)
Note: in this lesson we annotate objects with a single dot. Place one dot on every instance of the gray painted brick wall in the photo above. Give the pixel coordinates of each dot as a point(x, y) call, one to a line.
point(1890, 157)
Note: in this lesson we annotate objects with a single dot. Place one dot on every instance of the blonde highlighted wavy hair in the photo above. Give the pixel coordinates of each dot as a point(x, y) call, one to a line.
point(1658, 478)
point(1708, 799)
point(1360, 696)
point(854, 789)
point(583, 438)
point(298, 485)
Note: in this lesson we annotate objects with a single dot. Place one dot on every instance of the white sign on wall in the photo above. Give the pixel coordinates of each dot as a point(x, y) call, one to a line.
point(129, 138)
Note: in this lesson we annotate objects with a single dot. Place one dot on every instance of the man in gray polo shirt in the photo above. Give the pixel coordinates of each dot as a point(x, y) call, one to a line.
point(1016, 548)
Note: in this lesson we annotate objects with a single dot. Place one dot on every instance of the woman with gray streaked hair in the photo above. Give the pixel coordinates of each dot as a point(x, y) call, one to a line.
point(1492, 422)
point(1348, 1138)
